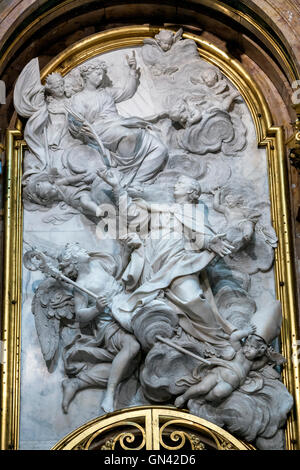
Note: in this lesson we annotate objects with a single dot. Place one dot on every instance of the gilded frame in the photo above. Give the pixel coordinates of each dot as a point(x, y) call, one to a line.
point(151, 423)
point(268, 136)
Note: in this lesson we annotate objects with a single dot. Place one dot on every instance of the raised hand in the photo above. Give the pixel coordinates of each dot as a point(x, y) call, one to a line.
point(131, 61)
point(219, 246)
point(132, 240)
point(111, 177)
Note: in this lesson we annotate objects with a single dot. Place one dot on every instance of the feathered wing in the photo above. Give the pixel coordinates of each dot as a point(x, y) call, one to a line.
point(47, 325)
point(51, 303)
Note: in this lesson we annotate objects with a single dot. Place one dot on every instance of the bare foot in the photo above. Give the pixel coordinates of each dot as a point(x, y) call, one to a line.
point(108, 404)
point(179, 401)
point(70, 387)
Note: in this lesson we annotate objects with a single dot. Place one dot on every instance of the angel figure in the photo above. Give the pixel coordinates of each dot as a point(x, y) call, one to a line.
point(57, 125)
point(46, 130)
point(49, 188)
point(240, 220)
point(252, 354)
point(108, 356)
point(213, 84)
point(98, 352)
point(167, 49)
point(73, 83)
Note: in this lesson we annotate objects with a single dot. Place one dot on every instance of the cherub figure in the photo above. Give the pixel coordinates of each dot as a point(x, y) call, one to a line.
point(57, 126)
point(168, 50)
point(212, 80)
point(240, 220)
point(187, 110)
point(73, 83)
point(165, 38)
point(251, 354)
point(47, 189)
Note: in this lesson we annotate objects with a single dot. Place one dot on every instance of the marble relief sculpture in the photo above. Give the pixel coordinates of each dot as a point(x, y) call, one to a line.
point(148, 237)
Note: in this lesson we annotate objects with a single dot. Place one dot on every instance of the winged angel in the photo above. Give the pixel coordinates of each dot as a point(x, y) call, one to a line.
point(107, 314)
point(96, 350)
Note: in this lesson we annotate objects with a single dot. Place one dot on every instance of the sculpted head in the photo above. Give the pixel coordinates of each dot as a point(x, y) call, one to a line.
point(210, 77)
point(55, 85)
point(73, 83)
point(72, 256)
point(165, 39)
point(46, 191)
point(233, 200)
point(94, 72)
point(40, 190)
point(178, 111)
point(254, 347)
point(187, 189)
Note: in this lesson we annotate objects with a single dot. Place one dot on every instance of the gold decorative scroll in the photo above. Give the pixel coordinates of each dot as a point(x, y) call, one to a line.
point(156, 426)
point(269, 136)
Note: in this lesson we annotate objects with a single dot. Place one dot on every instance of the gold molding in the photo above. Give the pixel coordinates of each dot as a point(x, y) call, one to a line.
point(152, 423)
point(12, 269)
point(268, 136)
point(254, 26)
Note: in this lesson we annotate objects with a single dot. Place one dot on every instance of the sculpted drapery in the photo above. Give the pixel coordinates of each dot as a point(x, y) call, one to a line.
point(193, 261)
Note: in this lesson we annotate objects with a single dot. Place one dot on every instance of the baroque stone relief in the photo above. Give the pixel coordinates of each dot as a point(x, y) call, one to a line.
point(148, 246)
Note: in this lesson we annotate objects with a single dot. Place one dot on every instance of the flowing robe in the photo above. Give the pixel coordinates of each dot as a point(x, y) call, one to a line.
point(99, 109)
point(166, 255)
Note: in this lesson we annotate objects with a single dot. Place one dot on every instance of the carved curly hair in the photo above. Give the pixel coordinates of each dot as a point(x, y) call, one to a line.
point(195, 188)
point(95, 64)
point(68, 264)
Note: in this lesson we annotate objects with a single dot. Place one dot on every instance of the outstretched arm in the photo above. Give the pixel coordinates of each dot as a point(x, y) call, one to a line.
point(132, 82)
point(73, 180)
point(238, 335)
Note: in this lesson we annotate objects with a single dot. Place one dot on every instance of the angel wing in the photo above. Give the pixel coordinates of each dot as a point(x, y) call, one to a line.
point(268, 233)
point(269, 372)
point(178, 35)
point(51, 303)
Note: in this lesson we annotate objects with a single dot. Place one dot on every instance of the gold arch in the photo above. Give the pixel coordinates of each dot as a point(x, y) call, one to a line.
point(150, 428)
point(269, 136)
point(241, 14)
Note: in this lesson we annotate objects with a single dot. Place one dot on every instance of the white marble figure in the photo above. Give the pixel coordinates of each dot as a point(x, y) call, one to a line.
point(154, 142)
point(171, 263)
point(46, 130)
point(73, 83)
point(227, 376)
point(137, 152)
point(106, 357)
point(57, 126)
point(240, 220)
point(47, 189)
point(168, 51)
